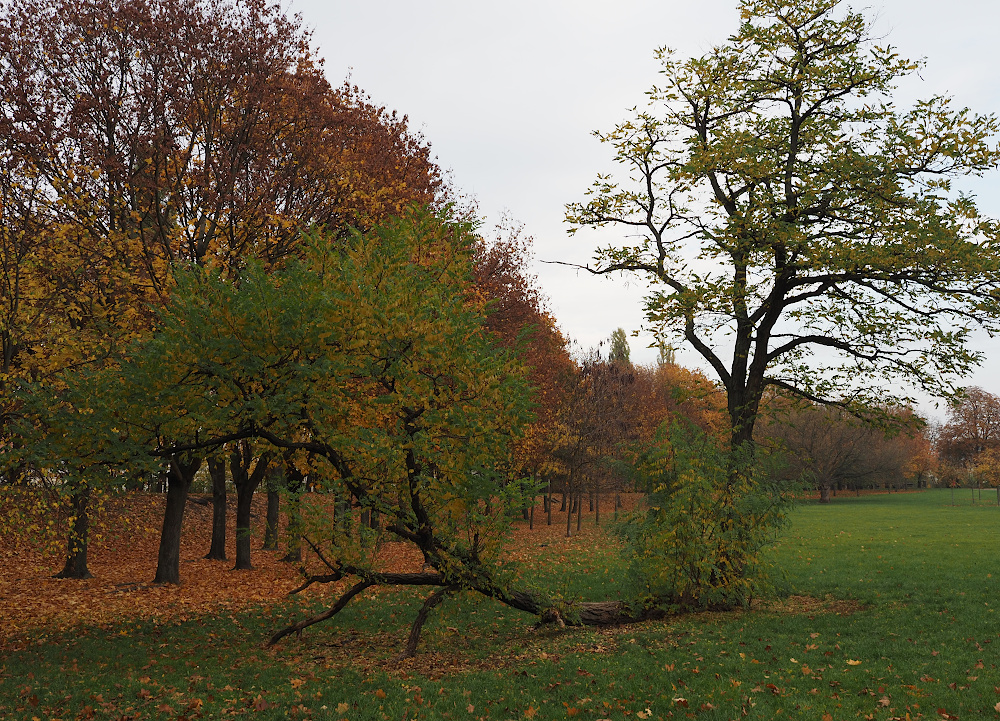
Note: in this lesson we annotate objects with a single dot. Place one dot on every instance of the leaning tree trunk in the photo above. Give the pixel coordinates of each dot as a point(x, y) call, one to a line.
point(217, 470)
point(76, 544)
point(168, 561)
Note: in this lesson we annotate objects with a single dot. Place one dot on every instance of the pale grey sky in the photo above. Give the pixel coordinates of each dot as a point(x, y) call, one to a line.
point(508, 92)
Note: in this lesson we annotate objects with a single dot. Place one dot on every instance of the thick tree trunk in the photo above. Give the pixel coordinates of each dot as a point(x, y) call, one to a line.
point(217, 470)
point(168, 561)
point(76, 544)
point(824, 493)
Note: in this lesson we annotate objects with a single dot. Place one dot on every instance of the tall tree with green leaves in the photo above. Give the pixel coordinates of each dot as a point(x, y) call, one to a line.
point(800, 231)
point(619, 351)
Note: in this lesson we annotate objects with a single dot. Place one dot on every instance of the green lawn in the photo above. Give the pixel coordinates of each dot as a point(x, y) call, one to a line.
point(900, 620)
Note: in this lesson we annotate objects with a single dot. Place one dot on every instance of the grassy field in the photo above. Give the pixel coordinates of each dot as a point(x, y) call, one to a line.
point(886, 610)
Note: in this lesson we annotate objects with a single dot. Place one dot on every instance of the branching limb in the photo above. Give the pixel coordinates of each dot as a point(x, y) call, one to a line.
point(329, 613)
point(418, 623)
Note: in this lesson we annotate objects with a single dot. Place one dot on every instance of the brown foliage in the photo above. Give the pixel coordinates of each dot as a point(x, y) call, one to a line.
point(827, 447)
point(973, 426)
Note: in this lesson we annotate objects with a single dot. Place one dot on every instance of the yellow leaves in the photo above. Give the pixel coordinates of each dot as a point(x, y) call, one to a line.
point(343, 707)
point(853, 662)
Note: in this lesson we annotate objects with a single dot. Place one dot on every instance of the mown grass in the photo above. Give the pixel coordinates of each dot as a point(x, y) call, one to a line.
point(887, 610)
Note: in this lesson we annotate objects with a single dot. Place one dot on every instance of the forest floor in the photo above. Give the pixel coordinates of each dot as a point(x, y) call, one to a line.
point(122, 558)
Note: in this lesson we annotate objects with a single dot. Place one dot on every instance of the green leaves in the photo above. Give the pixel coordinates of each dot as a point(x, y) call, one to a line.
point(800, 231)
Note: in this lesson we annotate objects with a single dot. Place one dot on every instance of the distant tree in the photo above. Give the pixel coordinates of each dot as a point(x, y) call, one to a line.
point(973, 426)
point(826, 447)
point(619, 351)
point(795, 222)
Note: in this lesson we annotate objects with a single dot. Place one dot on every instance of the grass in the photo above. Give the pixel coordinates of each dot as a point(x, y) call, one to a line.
point(886, 610)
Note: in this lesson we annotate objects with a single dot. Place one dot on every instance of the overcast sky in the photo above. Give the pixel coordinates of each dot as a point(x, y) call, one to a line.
point(507, 93)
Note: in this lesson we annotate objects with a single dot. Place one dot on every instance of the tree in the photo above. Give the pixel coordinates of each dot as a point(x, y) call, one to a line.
point(826, 447)
point(619, 351)
point(142, 134)
point(973, 427)
point(795, 221)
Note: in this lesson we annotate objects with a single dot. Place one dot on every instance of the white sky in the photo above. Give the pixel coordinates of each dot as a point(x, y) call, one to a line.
point(507, 93)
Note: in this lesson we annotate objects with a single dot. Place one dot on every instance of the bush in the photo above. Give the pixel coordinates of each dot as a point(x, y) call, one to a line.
point(699, 541)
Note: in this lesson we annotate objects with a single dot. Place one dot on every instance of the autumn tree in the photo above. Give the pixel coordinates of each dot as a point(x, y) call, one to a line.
point(800, 232)
point(138, 134)
point(517, 314)
point(828, 448)
point(973, 426)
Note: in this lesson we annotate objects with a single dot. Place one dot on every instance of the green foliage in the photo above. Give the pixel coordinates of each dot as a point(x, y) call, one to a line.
point(619, 351)
point(366, 362)
point(710, 517)
point(800, 230)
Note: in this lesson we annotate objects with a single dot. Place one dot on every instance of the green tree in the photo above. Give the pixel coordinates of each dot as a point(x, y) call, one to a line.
point(801, 232)
point(619, 351)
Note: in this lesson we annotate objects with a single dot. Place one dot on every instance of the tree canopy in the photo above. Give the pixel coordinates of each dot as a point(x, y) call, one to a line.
point(801, 232)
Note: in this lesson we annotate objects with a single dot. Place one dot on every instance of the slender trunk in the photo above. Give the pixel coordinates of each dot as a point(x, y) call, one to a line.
point(246, 483)
point(275, 481)
point(579, 510)
point(168, 561)
point(531, 517)
point(569, 510)
point(597, 510)
point(271, 522)
point(76, 544)
point(293, 531)
point(217, 470)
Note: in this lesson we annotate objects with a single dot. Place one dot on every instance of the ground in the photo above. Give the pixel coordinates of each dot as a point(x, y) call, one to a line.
point(883, 609)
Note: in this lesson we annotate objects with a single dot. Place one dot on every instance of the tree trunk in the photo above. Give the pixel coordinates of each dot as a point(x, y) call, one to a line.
point(246, 483)
point(824, 493)
point(274, 480)
point(76, 544)
point(579, 510)
point(295, 482)
point(168, 561)
point(271, 522)
point(217, 470)
point(569, 512)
